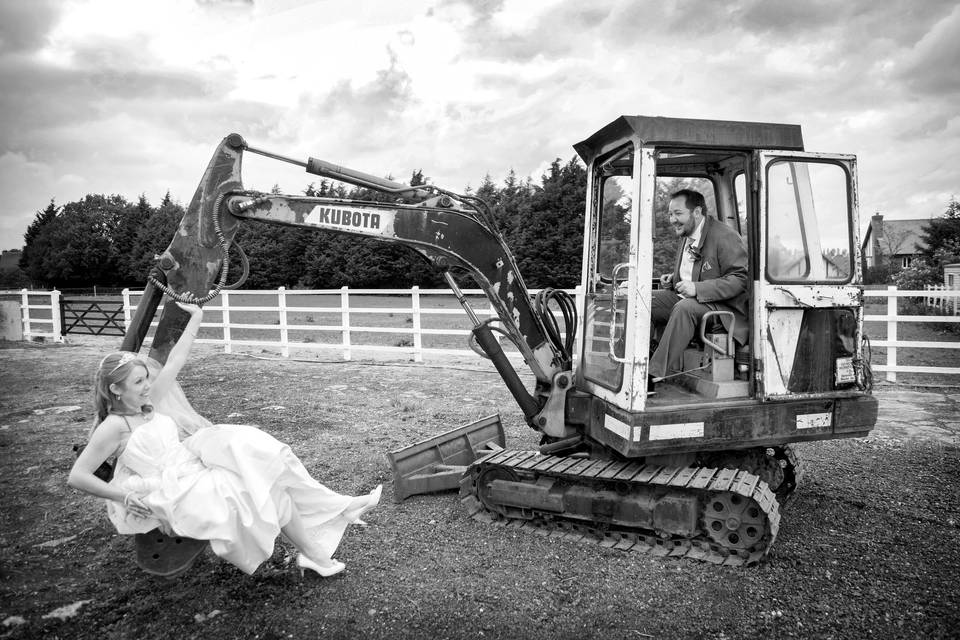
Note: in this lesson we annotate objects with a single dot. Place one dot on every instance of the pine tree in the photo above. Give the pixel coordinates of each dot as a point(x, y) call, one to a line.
point(31, 257)
point(941, 233)
point(125, 234)
point(549, 240)
point(152, 238)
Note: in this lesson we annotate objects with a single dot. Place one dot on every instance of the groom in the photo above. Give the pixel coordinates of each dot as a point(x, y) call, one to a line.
point(710, 274)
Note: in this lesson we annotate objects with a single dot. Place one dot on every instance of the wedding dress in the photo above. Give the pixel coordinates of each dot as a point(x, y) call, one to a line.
point(233, 485)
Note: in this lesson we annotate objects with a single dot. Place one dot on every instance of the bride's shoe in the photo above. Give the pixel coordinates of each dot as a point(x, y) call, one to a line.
point(326, 571)
point(374, 500)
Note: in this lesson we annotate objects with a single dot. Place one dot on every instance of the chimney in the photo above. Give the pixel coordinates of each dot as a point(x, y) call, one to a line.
point(876, 223)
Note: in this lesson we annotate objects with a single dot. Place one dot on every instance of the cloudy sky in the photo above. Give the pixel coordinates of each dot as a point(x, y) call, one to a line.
point(131, 96)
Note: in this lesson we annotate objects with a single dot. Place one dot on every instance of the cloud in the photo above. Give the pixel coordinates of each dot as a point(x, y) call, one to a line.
point(41, 101)
point(482, 10)
point(19, 206)
point(24, 25)
point(226, 3)
point(495, 32)
point(930, 66)
point(363, 116)
point(784, 17)
point(107, 96)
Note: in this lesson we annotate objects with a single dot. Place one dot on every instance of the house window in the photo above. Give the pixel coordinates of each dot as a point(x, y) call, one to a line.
point(906, 261)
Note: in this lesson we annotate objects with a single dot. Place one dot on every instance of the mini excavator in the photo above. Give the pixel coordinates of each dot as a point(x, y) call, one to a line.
point(699, 469)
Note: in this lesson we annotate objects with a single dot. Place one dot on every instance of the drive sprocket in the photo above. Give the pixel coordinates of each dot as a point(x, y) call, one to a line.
point(734, 522)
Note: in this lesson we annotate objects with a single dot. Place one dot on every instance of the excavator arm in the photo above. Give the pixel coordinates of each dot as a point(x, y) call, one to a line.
point(449, 230)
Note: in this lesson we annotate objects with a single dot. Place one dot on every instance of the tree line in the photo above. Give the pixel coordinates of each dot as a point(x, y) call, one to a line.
point(110, 242)
point(107, 241)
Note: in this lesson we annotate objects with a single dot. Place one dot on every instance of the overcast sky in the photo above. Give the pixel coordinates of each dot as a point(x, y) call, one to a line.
point(131, 97)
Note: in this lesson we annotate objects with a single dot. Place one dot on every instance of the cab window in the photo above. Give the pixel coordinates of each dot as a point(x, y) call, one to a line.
point(606, 308)
point(808, 222)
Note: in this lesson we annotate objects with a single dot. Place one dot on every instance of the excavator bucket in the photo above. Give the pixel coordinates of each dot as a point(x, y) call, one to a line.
point(436, 464)
point(166, 556)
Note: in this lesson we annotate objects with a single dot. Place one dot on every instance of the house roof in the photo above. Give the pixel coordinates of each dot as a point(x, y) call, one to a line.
point(898, 237)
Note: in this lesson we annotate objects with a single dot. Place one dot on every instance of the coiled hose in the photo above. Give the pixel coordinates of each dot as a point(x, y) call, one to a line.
point(224, 265)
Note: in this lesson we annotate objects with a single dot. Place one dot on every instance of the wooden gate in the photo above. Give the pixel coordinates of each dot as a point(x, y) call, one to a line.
point(101, 316)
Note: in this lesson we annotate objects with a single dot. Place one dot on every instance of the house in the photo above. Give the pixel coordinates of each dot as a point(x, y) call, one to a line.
point(894, 239)
point(951, 275)
point(10, 260)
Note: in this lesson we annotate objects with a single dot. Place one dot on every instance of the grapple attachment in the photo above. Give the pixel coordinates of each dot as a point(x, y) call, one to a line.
point(437, 463)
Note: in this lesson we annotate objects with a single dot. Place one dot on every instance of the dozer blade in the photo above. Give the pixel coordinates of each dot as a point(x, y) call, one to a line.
point(436, 464)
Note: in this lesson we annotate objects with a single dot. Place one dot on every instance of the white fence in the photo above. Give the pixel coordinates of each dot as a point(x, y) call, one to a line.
point(939, 297)
point(41, 319)
point(284, 322)
point(893, 319)
point(345, 320)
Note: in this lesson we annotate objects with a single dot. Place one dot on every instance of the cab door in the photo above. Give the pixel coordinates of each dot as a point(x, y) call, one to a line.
point(616, 282)
point(807, 305)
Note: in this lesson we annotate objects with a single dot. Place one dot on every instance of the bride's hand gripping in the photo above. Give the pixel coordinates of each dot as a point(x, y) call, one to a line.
point(135, 506)
point(190, 307)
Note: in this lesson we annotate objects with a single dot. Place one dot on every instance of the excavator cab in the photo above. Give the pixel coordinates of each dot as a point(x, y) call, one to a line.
point(800, 373)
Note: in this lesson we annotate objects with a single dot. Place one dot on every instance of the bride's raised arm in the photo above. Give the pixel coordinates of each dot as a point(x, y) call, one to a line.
point(164, 381)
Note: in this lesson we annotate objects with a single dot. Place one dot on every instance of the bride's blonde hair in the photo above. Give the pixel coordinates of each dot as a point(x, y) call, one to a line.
point(113, 369)
point(116, 367)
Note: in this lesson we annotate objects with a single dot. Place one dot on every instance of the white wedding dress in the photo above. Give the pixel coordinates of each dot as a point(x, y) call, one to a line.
point(233, 485)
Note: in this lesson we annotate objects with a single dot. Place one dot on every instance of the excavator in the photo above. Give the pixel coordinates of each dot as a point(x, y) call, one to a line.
point(698, 468)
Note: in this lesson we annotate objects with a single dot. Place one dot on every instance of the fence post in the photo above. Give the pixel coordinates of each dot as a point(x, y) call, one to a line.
point(56, 317)
point(284, 333)
point(225, 319)
point(891, 332)
point(25, 314)
point(127, 317)
point(417, 332)
point(345, 320)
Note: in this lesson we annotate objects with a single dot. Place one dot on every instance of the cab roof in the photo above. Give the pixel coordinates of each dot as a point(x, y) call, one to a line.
point(687, 132)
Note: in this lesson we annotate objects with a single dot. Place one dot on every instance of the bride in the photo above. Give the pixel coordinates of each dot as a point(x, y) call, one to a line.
point(233, 485)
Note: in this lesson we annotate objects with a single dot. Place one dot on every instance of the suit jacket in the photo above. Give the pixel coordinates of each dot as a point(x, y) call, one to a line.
point(720, 271)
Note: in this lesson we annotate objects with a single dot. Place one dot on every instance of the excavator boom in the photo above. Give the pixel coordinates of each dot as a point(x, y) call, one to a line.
point(448, 230)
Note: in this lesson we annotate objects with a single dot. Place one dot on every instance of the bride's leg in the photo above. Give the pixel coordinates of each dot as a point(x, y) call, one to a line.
point(311, 555)
point(361, 504)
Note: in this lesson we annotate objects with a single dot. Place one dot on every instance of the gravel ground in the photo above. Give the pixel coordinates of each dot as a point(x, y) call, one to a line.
point(869, 547)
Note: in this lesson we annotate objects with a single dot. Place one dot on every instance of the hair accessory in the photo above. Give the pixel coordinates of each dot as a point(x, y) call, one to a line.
point(125, 357)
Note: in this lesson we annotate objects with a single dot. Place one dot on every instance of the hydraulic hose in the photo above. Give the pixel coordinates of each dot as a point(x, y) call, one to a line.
point(568, 310)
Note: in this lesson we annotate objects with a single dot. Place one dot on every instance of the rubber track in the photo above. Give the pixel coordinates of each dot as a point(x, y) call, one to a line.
point(793, 466)
point(576, 470)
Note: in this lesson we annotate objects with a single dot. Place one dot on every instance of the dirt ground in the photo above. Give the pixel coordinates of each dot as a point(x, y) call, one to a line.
point(870, 547)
